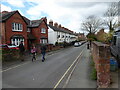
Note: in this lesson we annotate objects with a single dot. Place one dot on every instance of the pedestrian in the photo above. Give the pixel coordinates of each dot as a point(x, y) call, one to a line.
point(22, 51)
point(43, 51)
point(33, 51)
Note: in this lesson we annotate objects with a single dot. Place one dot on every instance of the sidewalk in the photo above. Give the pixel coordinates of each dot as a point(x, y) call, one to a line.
point(28, 58)
point(81, 76)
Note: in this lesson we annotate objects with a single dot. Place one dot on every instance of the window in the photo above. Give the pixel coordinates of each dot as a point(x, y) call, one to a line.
point(58, 36)
point(15, 40)
point(28, 30)
point(43, 41)
point(16, 27)
point(43, 30)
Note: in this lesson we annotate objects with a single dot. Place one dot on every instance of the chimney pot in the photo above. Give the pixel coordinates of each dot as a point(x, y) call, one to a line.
point(51, 22)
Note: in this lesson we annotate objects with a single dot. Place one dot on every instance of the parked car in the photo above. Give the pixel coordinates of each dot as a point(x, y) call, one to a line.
point(4, 47)
point(77, 44)
point(115, 45)
point(13, 47)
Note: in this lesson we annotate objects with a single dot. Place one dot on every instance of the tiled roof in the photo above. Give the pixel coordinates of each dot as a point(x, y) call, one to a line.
point(36, 23)
point(33, 23)
point(59, 29)
point(5, 16)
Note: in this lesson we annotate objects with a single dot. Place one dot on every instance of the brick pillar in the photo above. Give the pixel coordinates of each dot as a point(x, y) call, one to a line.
point(101, 56)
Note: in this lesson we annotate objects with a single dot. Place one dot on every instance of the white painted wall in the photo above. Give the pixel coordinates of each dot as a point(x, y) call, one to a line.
point(52, 37)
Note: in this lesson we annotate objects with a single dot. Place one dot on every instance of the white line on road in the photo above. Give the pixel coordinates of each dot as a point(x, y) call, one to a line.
point(14, 67)
point(67, 71)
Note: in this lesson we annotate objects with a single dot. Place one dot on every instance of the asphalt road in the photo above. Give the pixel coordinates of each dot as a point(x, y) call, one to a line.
point(40, 74)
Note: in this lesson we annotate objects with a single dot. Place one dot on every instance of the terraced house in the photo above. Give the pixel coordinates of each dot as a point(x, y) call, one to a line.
point(57, 33)
point(16, 28)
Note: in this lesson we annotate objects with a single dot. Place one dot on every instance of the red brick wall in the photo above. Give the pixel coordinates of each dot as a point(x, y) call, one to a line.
point(101, 57)
point(3, 33)
point(8, 26)
point(37, 32)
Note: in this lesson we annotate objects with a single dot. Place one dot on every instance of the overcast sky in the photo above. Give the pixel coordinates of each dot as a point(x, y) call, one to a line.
point(68, 13)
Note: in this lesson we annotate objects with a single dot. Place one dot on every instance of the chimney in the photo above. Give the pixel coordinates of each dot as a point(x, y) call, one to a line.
point(51, 22)
point(56, 24)
point(4, 12)
point(59, 26)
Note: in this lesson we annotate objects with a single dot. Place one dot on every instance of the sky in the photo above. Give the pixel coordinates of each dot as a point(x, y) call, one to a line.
point(69, 13)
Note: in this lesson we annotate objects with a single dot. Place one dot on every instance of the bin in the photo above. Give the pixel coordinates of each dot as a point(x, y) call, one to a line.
point(113, 65)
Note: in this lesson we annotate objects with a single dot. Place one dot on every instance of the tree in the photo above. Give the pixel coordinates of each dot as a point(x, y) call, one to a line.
point(110, 16)
point(91, 24)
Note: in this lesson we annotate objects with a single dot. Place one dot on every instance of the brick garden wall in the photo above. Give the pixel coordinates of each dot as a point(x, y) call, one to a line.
point(101, 56)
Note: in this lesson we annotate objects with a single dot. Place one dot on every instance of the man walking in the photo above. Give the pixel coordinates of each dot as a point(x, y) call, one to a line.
point(22, 50)
point(43, 51)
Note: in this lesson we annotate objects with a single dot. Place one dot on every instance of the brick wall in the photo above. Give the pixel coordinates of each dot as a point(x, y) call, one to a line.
point(101, 56)
point(3, 33)
point(37, 32)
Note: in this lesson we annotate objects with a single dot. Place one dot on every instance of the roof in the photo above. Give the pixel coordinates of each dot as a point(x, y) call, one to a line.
point(7, 15)
point(59, 29)
point(33, 23)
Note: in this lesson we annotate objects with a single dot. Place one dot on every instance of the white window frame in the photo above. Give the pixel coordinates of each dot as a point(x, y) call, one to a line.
point(43, 30)
point(43, 41)
point(16, 41)
point(17, 27)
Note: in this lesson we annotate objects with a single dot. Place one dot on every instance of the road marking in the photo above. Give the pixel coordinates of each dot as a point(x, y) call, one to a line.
point(67, 71)
point(13, 67)
point(71, 73)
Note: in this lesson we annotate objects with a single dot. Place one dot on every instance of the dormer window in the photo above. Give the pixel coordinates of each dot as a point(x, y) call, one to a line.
point(17, 27)
point(43, 30)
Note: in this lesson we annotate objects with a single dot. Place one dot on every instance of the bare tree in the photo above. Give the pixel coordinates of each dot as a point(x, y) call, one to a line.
point(111, 16)
point(91, 24)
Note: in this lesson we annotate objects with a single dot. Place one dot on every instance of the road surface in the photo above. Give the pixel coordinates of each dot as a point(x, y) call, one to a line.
point(49, 74)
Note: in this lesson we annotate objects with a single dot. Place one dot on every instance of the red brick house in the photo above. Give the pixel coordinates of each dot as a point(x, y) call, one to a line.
point(37, 32)
point(16, 28)
point(13, 28)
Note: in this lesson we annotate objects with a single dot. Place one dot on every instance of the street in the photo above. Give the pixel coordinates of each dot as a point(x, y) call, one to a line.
point(46, 74)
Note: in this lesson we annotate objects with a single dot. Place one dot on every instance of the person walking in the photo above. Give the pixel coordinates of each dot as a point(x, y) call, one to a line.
point(33, 51)
point(43, 51)
point(22, 50)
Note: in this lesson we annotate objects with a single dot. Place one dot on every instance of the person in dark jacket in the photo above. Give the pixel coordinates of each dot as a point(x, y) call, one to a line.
point(22, 50)
point(43, 51)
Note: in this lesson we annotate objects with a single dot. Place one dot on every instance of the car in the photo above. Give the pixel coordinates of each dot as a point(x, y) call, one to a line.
point(13, 47)
point(76, 44)
point(4, 47)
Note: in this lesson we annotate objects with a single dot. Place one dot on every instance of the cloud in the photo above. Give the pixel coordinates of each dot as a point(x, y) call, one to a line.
point(16, 3)
point(5, 8)
point(68, 13)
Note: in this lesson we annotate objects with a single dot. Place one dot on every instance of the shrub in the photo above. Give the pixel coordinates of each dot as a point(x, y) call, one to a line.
point(10, 55)
point(94, 74)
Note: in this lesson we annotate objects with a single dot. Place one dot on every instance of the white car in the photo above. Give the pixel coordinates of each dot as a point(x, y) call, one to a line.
point(76, 44)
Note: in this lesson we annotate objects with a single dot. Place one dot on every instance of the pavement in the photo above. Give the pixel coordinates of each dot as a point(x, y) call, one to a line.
point(81, 76)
